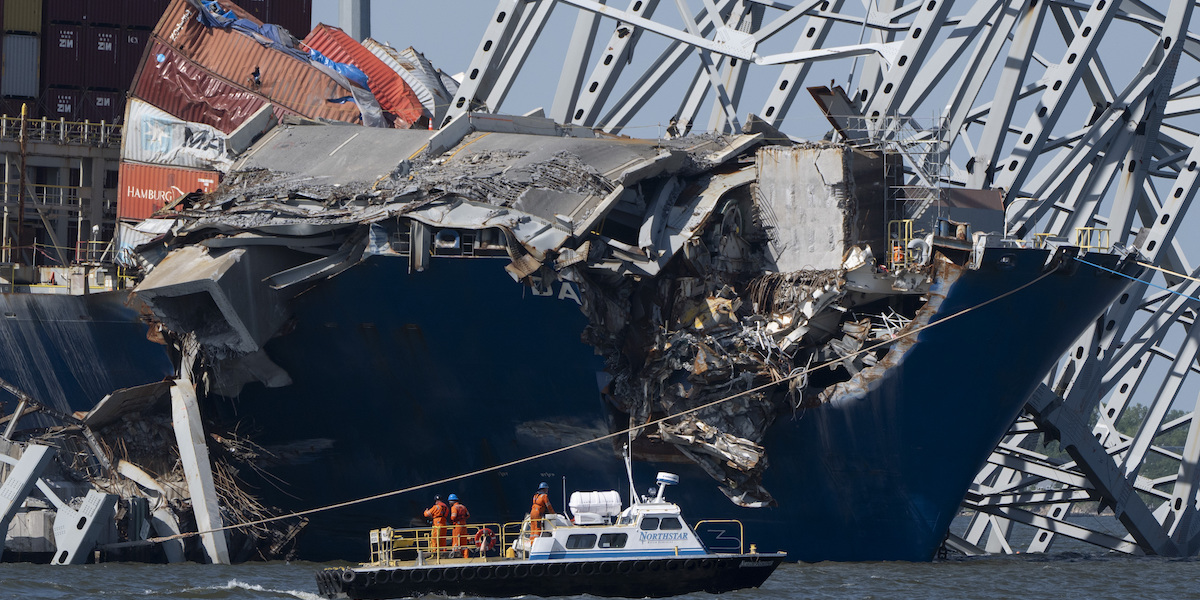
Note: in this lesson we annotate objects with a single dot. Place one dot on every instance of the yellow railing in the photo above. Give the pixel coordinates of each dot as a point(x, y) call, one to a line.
point(900, 233)
point(433, 545)
point(1092, 238)
point(61, 131)
point(740, 535)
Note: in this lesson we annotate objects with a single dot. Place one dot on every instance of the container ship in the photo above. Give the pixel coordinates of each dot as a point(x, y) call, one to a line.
point(358, 304)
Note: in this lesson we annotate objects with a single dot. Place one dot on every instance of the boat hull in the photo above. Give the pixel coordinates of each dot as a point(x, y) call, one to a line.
point(633, 578)
point(462, 369)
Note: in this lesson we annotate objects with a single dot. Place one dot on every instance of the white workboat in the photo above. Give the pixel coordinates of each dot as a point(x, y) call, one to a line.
point(645, 550)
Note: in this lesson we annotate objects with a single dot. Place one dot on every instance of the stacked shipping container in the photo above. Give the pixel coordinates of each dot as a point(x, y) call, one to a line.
point(196, 84)
point(75, 59)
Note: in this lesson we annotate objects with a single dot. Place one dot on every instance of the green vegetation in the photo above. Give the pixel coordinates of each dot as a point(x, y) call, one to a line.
point(1156, 465)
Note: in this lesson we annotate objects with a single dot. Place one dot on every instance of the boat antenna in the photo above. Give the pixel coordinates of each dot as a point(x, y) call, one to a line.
point(629, 472)
point(564, 492)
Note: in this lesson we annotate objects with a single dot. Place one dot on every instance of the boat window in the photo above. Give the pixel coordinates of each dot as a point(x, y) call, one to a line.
point(581, 541)
point(649, 523)
point(670, 523)
point(613, 540)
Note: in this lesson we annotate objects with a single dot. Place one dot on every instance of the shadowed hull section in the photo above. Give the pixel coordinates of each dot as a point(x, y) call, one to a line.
point(401, 379)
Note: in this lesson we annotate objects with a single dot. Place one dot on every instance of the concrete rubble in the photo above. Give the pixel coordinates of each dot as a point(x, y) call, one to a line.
point(707, 266)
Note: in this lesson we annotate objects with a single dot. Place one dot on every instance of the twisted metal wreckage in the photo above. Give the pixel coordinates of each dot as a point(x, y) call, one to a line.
point(706, 266)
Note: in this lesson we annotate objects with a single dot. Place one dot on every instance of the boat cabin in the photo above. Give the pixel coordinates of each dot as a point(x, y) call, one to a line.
point(650, 527)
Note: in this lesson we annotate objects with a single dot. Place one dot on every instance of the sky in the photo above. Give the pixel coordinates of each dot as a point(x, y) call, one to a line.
point(448, 33)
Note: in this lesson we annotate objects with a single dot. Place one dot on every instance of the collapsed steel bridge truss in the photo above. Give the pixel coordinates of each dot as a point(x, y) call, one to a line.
point(1085, 113)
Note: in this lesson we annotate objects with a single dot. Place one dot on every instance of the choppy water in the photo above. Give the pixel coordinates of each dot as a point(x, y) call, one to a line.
point(1067, 575)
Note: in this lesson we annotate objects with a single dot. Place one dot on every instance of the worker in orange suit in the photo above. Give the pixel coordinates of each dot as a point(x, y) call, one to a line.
point(438, 513)
point(458, 517)
point(541, 507)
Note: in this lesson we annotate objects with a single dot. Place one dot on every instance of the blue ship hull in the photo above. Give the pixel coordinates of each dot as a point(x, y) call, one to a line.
point(403, 379)
point(68, 352)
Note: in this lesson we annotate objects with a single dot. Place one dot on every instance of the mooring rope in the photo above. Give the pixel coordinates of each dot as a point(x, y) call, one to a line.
point(609, 436)
point(1139, 280)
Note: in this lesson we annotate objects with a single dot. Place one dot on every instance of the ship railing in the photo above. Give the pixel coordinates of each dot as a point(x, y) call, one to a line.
point(900, 233)
point(1093, 238)
point(61, 131)
point(721, 535)
point(1047, 240)
point(430, 545)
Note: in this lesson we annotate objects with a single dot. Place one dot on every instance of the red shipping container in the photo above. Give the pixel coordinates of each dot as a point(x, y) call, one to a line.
point(100, 58)
point(58, 103)
point(293, 15)
point(133, 45)
point(192, 93)
point(143, 14)
point(103, 106)
point(143, 189)
point(390, 90)
point(61, 52)
point(65, 11)
point(234, 56)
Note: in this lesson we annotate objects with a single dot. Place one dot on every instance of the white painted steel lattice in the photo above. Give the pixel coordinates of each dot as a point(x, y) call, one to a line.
point(1084, 114)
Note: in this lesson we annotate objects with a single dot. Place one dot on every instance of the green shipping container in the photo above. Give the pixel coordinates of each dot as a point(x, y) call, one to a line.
point(24, 16)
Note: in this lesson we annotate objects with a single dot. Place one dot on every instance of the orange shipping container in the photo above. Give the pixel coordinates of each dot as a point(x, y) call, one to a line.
point(188, 91)
point(144, 189)
point(390, 90)
point(284, 79)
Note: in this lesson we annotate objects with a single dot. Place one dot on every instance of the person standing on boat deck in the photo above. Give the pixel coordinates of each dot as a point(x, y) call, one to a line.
point(541, 507)
point(458, 517)
point(439, 513)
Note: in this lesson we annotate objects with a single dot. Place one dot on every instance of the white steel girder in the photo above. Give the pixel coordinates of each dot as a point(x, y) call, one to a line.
point(1079, 107)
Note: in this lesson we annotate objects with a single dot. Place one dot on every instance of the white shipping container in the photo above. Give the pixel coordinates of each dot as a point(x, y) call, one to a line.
point(21, 56)
point(155, 136)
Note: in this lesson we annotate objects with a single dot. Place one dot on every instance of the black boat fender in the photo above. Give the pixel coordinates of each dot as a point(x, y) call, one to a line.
point(349, 575)
point(398, 576)
point(468, 573)
point(521, 571)
point(554, 570)
point(502, 572)
point(450, 574)
point(571, 569)
point(690, 564)
point(537, 570)
point(417, 576)
point(433, 575)
point(624, 566)
point(587, 568)
point(484, 572)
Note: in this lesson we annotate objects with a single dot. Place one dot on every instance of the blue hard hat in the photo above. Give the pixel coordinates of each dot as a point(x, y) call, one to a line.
point(454, 497)
point(543, 486)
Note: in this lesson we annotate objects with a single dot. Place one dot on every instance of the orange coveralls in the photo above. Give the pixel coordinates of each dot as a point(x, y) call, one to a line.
point(438, 512)
point(541, 507)
point(458, 516)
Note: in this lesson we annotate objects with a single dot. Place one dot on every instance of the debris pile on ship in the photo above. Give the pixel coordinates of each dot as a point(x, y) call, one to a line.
point(706, 266)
